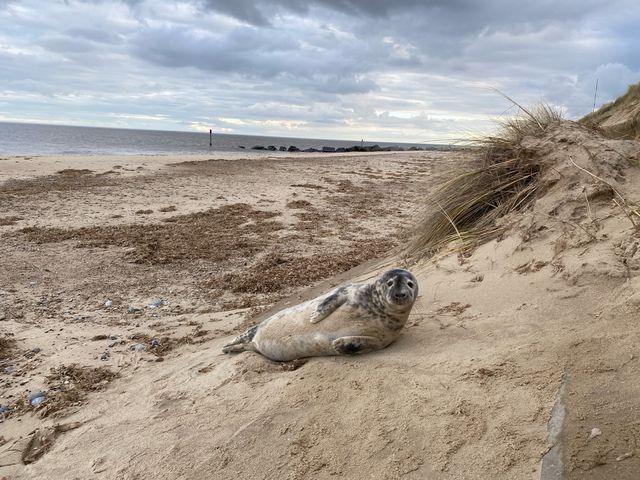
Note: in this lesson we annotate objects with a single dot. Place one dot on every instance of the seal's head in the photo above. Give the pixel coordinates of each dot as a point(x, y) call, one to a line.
point(398, 288)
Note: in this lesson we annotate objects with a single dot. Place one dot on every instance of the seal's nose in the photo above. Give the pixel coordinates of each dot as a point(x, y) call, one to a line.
point(399, 295)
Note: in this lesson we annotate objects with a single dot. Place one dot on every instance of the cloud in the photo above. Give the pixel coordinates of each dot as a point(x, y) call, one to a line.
point(578, 94)
point(466, 15)
point(406, 69)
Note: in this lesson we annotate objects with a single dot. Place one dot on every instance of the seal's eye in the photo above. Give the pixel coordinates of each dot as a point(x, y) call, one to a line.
point(390, 283)
point(410, 284)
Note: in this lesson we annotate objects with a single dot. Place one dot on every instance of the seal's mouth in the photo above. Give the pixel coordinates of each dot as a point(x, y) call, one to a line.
point(400, 298)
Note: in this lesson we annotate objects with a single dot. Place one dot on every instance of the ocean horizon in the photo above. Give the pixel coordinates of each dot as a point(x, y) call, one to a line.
point(43, 139)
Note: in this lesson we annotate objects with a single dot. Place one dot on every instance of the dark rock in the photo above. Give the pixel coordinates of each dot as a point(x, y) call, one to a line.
point(340, 149)
point(32, 353)
point(310, 150)
point(328, 149)
point(272, 148)
point(283, 148)
point(293, 148)
point(242, 147)
point(258, 147)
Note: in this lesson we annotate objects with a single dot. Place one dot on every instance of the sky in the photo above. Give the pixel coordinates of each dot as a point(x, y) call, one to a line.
point(397, 70)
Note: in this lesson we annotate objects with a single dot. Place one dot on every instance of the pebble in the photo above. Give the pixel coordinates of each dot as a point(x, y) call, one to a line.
point(105, 356)
point(155, 343)
point(595, 432)
point(624, 456)
point(138, 347)
point(108, 303)
point(157, 302)
point(37, 398)
point(133, 309)
point(4, 409)
point(9, 370)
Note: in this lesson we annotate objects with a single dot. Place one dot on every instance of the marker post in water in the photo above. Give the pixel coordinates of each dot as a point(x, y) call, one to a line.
point(210, 137)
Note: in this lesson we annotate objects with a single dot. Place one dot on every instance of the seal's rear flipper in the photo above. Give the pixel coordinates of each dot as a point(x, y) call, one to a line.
point(242, 342)
point(238, 347)
point(356, 344)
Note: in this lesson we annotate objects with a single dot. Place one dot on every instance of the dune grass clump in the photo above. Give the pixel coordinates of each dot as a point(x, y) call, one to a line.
point(619, 119)
point(630, 97)
point(466, 207)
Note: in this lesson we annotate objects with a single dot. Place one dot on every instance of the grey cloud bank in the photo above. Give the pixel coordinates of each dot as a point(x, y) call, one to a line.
point(406, 70)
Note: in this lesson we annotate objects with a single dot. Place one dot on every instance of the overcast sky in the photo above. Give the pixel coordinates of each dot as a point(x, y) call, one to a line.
point(387, 70)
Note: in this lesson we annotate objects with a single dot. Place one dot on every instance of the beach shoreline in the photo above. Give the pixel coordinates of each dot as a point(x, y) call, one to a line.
point(30, 166)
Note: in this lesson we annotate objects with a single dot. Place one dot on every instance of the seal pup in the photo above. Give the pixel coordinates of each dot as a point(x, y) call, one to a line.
point(351, 319)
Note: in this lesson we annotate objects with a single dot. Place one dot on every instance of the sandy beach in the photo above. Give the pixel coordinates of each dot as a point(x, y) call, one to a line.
point(123, 276)
point(212, 241)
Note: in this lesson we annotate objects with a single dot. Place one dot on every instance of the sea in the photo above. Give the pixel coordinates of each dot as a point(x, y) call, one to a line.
point(36, 139)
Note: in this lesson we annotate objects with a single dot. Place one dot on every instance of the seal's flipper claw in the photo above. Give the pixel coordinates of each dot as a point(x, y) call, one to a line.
point(356, 344)
point(328, 305)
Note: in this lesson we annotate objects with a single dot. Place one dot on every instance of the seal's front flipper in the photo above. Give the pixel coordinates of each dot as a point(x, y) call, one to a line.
point(328, 305)
point(356, 344)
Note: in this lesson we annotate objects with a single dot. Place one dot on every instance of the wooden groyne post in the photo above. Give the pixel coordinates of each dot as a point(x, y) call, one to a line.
point(210, 137)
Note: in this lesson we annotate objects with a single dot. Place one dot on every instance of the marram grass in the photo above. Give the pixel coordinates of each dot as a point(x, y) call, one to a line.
point(464, 211)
